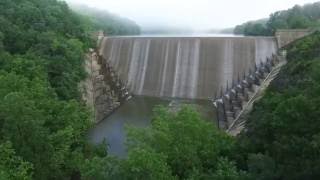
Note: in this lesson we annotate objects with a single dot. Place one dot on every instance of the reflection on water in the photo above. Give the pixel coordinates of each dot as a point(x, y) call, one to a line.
point(138, 113)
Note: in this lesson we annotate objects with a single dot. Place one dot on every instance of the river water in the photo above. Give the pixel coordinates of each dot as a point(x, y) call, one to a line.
point(137, 112)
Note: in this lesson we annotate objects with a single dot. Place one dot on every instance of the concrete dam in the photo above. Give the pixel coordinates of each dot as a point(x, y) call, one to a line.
point(184, 67)
point(221, 77)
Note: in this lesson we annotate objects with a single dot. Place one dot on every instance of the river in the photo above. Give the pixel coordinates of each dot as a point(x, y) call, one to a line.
point(137, 112)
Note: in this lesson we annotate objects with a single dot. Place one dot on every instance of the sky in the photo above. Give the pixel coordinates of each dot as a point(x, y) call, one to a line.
point(195, 14)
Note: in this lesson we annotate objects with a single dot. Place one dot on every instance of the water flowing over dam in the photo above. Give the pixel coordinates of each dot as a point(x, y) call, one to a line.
point(184, 67)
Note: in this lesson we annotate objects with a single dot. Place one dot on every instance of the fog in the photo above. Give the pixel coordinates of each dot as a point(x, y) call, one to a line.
point(192, 14)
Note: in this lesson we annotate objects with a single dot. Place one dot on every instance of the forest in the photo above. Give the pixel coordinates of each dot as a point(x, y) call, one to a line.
point(298, 17)
point(43, 121)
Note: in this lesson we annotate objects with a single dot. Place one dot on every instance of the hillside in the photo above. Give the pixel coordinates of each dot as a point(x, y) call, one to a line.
point(252, 28)
point(43, 122)
point(297, 17)
point(283, 128)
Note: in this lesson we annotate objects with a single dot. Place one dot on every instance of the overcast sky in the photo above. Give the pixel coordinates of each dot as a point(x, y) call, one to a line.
point(202, 14)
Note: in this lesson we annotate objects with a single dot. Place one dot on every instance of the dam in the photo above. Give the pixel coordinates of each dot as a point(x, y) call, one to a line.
point(169, 71)
point(217, 75)
point(184, 67)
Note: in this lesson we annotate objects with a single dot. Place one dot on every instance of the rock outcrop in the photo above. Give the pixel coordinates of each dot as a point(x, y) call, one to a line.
point(102, 90)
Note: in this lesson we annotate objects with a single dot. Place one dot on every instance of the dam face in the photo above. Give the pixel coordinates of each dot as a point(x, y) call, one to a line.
point(184, 67)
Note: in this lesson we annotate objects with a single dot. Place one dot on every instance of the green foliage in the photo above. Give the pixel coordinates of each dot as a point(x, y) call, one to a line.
point(12, 166)
point(262, 167)
point(43, 123)
point(49, 30)
point(283, 129)
point(298, 17)
point(42, 130)
point(145, 163)
point(98, 168)
point(227, 170)
point(252, 28)
point(186, 145)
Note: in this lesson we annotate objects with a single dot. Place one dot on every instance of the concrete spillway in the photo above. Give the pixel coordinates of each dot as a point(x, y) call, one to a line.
point(184, 67)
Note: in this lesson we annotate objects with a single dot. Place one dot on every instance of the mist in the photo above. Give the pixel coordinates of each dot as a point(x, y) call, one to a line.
point(190, 15)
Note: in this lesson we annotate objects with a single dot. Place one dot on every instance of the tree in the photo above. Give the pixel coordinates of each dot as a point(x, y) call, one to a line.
point(146, 164)
point(282, 136)
point(43, 122)
point(12, 166)
point(298, 17)
point(182, 142)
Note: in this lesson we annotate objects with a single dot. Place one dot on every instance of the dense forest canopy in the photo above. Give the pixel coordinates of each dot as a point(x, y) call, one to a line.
point(283, 129)
point(43, 122)
point(298, 17)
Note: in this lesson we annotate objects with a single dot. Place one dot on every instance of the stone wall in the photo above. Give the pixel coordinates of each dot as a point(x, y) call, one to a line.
point(287, 36)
